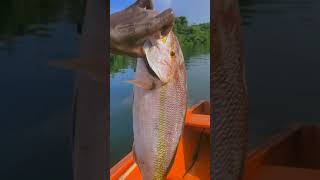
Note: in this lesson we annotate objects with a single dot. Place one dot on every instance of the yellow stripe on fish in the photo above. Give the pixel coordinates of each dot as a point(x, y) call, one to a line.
point(160, 170)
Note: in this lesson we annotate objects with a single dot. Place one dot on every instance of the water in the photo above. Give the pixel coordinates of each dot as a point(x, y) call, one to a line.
point(282, 63)
point(35, 100)
point(121, 132)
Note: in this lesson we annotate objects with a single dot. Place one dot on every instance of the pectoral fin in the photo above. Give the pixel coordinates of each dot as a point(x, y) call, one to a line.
point(143, 80)
point(146, 85)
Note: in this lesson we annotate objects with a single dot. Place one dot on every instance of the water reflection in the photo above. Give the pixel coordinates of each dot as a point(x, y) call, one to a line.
point(36, 100)
point(33, 17)
point(246, 11)
point(282, 63)
point(249, 8)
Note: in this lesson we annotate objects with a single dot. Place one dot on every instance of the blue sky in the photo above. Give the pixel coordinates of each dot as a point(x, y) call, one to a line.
point(196, 11)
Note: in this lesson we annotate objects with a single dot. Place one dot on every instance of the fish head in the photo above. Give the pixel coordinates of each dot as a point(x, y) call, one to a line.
point(164, 57)
point(163, 62)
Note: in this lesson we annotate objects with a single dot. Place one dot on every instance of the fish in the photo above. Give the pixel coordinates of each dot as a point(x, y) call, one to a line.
point(159, 106)
point(229, 93)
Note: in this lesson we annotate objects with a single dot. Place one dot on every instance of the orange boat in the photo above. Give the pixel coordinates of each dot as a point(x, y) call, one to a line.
point(293, 154)
point(192, 160)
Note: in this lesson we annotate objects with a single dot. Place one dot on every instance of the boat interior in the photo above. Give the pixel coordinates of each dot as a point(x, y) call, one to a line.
point(293, 154)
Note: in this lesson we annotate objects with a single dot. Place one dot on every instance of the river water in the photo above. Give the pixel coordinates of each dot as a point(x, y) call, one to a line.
point(121, 132)
point(282, 63)
point(34, 99)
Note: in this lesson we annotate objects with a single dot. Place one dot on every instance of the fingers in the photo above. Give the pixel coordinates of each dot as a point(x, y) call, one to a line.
point(148, 4)
point(161, 23)
point(167, 28)
point(132, 32)
point(128, 38)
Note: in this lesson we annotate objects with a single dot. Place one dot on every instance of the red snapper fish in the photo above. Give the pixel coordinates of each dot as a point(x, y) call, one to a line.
point(159, 106)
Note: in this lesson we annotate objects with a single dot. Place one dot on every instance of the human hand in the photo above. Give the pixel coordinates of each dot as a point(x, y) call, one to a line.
point(131, 27)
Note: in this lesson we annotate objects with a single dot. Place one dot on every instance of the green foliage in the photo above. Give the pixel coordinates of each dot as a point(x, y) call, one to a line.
point(31, 17)
point(194, 40)
point(118, 62)
point(20, 17)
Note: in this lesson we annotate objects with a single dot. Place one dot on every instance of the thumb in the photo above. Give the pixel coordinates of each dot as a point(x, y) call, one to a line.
point(148, 4)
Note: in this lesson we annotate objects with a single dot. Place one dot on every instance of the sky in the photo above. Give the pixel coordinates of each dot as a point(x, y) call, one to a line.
point(196, 11)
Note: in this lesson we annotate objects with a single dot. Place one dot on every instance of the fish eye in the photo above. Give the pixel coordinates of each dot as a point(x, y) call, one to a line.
point(172, 53)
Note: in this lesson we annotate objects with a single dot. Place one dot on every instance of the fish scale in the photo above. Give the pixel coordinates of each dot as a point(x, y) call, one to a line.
point(161, 141)
point(230, 105)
